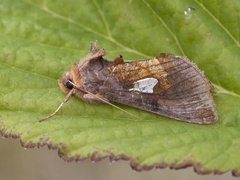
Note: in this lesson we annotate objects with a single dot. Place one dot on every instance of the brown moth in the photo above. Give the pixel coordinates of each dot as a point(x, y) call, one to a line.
point(167, 85)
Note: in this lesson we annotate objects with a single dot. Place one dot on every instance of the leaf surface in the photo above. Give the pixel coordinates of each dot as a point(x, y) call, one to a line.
point(42, 39)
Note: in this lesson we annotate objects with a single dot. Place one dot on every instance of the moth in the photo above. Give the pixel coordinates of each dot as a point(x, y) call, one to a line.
point(167, 85)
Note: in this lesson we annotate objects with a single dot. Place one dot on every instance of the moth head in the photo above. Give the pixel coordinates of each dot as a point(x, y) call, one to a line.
point(65, 82)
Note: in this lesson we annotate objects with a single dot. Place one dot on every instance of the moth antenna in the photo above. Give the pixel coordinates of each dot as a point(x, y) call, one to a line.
point(59, 107)
point(103, 100)
point(107, 102)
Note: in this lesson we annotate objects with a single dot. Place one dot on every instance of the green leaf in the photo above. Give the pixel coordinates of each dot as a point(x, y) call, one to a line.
point(42, 39)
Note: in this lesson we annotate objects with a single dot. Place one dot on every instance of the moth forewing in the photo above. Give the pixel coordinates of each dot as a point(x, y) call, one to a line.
point(167, 85)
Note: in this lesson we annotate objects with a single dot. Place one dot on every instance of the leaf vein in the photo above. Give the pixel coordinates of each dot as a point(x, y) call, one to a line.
point(166, 26)
point(218, 22)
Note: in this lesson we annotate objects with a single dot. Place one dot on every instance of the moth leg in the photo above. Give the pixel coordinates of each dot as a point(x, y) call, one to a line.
point(91, 98)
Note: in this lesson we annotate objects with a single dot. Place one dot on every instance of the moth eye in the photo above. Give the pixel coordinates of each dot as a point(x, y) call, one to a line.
point(68, 84)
